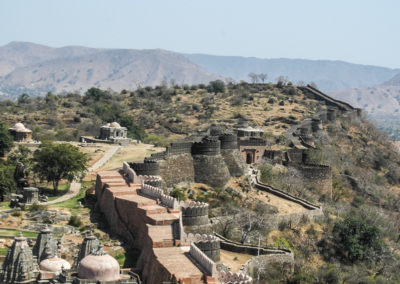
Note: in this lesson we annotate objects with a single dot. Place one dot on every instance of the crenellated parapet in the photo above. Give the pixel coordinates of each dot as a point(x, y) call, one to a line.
point(237, 278)
point(228, 141)
point(209, 244)
point(148, 167)
point(208, 146)
point(207, 263)
point(158, 193)
point(194, 213)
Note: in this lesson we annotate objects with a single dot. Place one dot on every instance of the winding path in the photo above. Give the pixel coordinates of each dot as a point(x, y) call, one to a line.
point(75, 186)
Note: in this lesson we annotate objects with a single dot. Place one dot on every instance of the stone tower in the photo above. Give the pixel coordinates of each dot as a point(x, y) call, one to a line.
point(19, 265)
point(45, 245)
point(209, 166)
point(89, 245)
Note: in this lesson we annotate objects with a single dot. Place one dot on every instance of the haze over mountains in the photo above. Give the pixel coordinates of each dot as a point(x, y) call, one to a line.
point(37, 69)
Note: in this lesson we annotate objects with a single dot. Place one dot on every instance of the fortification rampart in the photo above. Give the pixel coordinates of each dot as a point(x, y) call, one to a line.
point(203, 260)
point(235, 163)
point(318, 95)
point(252, 142)
point(208, 146)
point(194, 213)
point(148, 167)
point(306, 204)
point(237, 278)
point(211, 170)
point(208, 244)
point(319, 175)
point(228, 141)
point(177, 148)
point(176, 169)
point(264, 256)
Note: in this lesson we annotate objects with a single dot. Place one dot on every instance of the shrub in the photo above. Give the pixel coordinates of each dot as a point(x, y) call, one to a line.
point(75, 221)
point(16, 214)
point(356, 239)
point(178, 193)
point(36, 207)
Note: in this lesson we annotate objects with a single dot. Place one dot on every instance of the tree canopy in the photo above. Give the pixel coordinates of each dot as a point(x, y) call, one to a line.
point(355, 239)
point(6, 140)
point(53, 162)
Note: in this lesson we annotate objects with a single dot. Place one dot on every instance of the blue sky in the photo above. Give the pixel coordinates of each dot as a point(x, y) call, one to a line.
point(358, 31)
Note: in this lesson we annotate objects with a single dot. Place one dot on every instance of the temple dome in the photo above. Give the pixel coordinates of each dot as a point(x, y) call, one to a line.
point(99, 266)
point(19, 127)
point(115, 124)
point(54, 264)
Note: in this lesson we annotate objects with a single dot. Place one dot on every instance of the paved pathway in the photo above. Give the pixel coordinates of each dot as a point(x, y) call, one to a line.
point(75, 186)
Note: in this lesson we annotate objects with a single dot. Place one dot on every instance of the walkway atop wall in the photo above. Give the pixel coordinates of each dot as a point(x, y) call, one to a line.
point(155, 221)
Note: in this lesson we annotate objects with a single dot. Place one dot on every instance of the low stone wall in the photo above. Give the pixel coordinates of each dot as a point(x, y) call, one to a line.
point(237, 278)
point(262, 255)
point(208, 244)
point(306, 204)
point(157, 193)
point(203, 260)
point(129, 173)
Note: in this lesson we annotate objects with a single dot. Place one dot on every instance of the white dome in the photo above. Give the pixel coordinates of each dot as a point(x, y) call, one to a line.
point(54, 264)
point(99, 267)
point(19, 126)
point(115, 124)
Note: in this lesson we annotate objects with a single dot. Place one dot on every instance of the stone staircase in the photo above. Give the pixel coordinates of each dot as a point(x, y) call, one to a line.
point(157, 228)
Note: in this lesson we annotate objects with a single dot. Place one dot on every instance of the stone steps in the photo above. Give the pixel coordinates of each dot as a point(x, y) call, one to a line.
point(161, 219)
point(153, 209)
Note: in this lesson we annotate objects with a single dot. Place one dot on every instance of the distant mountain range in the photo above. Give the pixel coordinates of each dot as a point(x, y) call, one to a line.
point(328, 75)
point(376, 100)
point(37, 69)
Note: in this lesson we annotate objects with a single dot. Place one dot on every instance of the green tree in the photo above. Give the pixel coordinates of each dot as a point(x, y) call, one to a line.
point(96, 94)
point(216, 86)
point(21, 154)
point(134, 131)
point(6, 140)
point(356, 239)
point(7, 183)
point(53, 162)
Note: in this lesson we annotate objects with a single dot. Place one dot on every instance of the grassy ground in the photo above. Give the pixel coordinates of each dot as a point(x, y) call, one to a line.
point(62, 189)
point(10, 232)
point(72, 204)
point(3, 251)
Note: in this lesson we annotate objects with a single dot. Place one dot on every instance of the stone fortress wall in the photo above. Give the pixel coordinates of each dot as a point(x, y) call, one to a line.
point(209, 159)
point(148, 219)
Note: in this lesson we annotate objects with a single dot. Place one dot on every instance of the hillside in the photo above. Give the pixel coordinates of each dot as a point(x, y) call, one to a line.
point(38, 69)
point(328, 75)
point(364, 174)
point(395, 81)
point(380, 99)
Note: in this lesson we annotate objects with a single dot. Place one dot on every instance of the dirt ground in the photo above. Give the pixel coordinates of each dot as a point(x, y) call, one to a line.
point(234, 260)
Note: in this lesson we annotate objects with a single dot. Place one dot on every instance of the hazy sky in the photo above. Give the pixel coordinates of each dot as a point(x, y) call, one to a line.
point(359, 31)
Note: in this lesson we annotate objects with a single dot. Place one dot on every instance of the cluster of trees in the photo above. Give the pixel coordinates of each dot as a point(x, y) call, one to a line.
point(51, 162)
point(255, 78)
